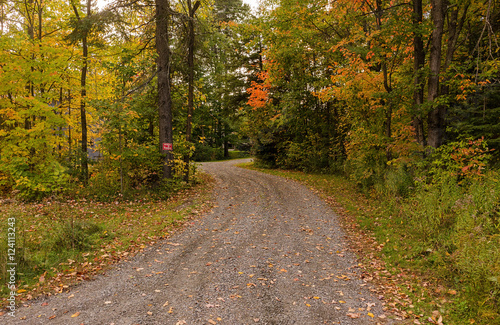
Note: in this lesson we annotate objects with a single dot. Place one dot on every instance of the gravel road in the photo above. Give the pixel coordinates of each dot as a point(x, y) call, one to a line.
point(269, 252)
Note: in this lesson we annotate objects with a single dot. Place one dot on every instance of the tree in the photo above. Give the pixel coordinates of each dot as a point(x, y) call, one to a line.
point(190, 62)
point(164, 91)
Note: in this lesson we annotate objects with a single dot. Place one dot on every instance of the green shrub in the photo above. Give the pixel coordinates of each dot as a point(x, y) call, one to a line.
point(399, 181)
point(204, 152)
point(73, 235)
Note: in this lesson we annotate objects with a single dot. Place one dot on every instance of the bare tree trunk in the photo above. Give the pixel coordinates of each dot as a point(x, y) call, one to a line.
point(455, 26)
point(190, 60)
point(436, 117)
point(418, 65)
point(83, 113)
point(164, 92)
point(83, 96)
point(69, 126)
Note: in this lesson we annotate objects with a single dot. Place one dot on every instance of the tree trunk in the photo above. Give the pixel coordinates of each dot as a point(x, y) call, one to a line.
point(83, 113)
point(455, 26)
point(83, 96)
point(190, 62)
point(435, 118)
point(164, 93)
point(418, 65)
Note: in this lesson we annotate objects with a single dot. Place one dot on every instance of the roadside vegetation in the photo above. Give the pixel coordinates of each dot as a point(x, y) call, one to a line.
point(61, 241)
point(438, 241)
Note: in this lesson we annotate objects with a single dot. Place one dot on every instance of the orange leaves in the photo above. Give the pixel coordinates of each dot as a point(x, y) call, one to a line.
point(259, 92)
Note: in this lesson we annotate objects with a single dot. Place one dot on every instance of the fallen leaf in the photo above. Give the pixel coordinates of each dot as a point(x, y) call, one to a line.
point(212, 322)
point(371, 315)
point(173, 244)
point(75, 314)
point(352, 315)
point(452, 292)
point(52, 317)
point(165, 304)
point(45, 304)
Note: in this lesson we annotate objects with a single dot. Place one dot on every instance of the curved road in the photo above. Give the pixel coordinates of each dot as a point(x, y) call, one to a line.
point(270, 252)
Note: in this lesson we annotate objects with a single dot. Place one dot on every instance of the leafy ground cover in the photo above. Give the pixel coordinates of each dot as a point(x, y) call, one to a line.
point(60, 243)
point(420, 278)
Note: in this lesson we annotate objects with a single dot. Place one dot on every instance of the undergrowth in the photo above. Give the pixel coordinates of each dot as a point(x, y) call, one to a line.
point(60, 242)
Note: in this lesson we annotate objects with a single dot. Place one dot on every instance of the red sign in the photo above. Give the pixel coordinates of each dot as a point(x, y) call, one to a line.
point(167, 146)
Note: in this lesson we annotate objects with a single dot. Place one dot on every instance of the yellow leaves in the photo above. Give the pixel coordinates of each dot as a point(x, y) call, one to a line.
point(75, 314)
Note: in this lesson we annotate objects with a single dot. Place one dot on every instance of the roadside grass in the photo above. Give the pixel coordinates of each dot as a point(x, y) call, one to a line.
point(236, 154)
point(421, 277)
point(60, 243)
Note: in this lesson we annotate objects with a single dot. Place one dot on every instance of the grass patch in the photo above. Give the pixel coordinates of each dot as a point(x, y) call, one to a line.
point(60, 243)
point(435, 252)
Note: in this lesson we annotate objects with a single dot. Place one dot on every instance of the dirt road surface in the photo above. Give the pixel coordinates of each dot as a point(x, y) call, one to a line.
point(269, 252)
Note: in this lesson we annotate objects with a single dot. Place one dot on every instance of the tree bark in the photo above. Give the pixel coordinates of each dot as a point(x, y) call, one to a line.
point(418, 65)
point(164, 91)
point(436, 117)
point(192, 10)
point(83, 113)
point(83, 95)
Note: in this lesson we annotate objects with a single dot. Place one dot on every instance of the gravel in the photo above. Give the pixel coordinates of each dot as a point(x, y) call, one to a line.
point(269, 252)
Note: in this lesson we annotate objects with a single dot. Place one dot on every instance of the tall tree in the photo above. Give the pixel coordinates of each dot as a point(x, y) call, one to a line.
point(435, 118)
point(164, 90)
point(190, 62)
point(83, 86)
point(418, 66)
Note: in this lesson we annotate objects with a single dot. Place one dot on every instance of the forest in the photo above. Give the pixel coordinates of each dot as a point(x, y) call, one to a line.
point(399, 98)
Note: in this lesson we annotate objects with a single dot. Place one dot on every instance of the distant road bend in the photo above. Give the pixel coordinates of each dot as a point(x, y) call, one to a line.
point(270, 252)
